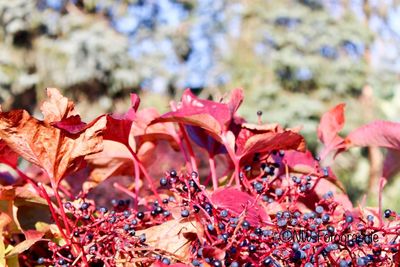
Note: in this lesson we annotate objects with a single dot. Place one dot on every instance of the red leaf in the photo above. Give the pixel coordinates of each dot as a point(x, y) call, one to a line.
point(237, 201)
point(7, 155)
point(331, 124)
point(303, 162)
point(73, 124)
point(144, 131)
point(204, 140)
point(119, 126)
point(259, 143)
point(214, 117)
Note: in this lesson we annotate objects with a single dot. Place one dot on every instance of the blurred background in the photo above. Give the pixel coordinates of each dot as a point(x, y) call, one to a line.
point(295, 60)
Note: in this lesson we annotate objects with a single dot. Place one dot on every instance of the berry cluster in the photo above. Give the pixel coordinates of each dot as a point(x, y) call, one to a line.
point(272, 204)
point(324, 236)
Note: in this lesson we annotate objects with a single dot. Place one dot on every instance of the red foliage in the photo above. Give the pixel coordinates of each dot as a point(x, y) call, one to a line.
point(276, 188)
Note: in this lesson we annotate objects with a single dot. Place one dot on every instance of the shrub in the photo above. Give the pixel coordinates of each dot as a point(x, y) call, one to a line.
point(241, 194)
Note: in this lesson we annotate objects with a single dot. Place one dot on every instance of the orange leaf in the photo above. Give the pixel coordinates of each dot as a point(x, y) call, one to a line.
point(173, 237)
point(57, 151)
point(57, 107)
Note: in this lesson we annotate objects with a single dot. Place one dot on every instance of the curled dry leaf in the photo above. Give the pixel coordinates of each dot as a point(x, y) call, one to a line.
point(57, 107)
point(55, 150)
point(174, 237)
point(115, 159)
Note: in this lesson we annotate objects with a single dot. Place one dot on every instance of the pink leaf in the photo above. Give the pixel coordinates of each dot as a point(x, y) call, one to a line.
point(391, 164)
point(378, 133)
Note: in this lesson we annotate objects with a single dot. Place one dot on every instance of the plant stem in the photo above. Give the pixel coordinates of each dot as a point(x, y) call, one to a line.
point(144, 171)
point(214, 178)
point(189, 147)
point(137, 180)
point(234, 159)
point(53, 212)
point(125, 190)
point(60, 204)
point(29, 180)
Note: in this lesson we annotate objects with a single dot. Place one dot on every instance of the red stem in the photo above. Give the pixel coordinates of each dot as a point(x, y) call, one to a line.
point(189, 147)
point(144, 171)
point(53, 212)
point(235, 161)
point(381, 184)
point(124, 190)
point(182, 148)
point(137, 180)
point(28, 180)
point(211, 161)
point(55, 187)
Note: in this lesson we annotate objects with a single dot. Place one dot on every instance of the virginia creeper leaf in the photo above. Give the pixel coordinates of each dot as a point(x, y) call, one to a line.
point(57, 151)
point(330, 125)
point(237, 201)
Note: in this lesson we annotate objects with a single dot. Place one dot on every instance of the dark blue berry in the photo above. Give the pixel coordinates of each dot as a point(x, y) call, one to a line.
point(217, 263)
point(166, 213)
point(84, 206)
point(127, 213)
point(103, 210)
point(319, 209)
point(267, 261)
point(388, 213)
point(279, 192)
point(252, 248)
point(223, 213)
point(185, 213)
point(163, 181)
point(349, 219)
point(166, 261)
point(142, 238)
